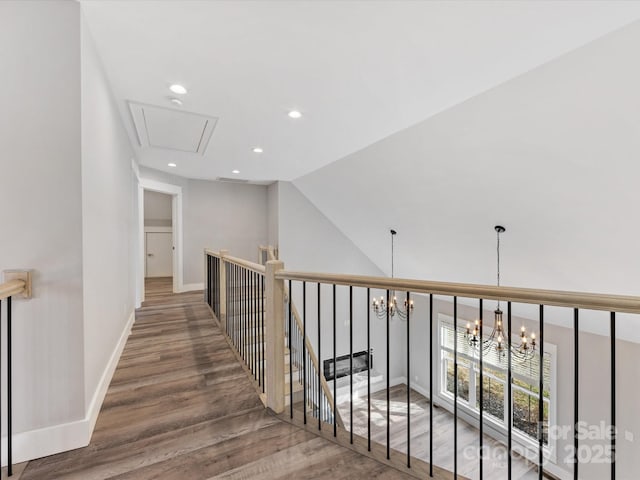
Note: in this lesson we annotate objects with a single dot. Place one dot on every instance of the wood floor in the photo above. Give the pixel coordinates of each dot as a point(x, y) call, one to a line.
point(181, 407)
point(495, 463)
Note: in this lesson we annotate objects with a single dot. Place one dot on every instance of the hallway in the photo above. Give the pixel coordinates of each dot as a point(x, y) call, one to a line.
point(181, 407)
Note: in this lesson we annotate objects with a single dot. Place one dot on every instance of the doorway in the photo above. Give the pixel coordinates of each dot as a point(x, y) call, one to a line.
point(160, 237)
point(158, 234)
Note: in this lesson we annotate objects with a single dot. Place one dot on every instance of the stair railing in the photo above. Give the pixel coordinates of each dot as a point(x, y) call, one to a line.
point(17, 283)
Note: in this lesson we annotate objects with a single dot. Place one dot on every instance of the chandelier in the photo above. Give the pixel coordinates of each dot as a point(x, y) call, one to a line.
point(524, 350)
point(381, 308)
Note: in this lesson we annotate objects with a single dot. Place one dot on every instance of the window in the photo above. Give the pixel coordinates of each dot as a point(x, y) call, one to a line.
point(525, 383)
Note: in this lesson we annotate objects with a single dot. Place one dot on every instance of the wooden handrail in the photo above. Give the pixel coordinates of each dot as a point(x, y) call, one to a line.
point(590, 301)
point(11, 288)
point(255, 267)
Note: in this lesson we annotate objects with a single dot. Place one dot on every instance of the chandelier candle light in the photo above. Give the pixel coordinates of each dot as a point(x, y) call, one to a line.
point(380, 307)
point(524, 351)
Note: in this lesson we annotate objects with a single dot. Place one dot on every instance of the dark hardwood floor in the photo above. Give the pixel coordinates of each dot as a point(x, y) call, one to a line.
point(180, 406)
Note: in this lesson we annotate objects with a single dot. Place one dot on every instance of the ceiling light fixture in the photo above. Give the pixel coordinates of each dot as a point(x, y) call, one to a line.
point(498, 339)
point(236, 171)
point(171, 165)
point(257, 150)
point(176, 101)
point(295, 114)
point(178, 89)
point(389, 309)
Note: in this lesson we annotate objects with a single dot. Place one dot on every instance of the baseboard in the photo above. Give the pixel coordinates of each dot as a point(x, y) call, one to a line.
point(68, 436)
point(107, 375)
point(190, 287)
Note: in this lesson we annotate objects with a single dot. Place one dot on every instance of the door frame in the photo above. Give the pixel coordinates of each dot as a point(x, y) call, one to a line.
point(176, 222)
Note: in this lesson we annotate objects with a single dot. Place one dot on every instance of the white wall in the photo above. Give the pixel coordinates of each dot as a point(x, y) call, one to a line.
point(157, 209)
point(272, 214)
point(308, 241)
point(217, 215)
point(40, 186)
point(107, 221)
point(222, 215)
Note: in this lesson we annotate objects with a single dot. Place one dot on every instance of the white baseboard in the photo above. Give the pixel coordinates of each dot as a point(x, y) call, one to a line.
point(190, 287)
point(68, 436)
point(107, 375)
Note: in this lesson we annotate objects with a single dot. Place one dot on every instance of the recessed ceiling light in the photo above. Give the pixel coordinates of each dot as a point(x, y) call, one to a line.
point(176, 101)
point(295, 114)
point(171, 165)
point(177, 88)
point(236, 171)
point(257, 150)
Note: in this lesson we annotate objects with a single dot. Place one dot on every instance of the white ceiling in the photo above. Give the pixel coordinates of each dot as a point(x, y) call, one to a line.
point(359, 71)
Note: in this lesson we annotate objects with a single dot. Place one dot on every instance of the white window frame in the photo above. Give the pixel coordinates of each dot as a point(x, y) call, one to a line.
point(497, 429)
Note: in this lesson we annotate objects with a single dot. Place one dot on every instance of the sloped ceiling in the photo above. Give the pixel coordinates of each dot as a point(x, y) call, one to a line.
point(359, 71)
point(552, 155)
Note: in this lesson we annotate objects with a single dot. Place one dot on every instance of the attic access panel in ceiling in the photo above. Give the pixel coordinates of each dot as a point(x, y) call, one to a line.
point(161, 127)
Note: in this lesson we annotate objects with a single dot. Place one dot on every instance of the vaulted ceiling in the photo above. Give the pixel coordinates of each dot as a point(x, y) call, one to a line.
point(358, 71)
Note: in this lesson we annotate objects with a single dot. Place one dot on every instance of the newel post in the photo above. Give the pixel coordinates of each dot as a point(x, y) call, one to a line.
point(274, 326)
point(222, 281)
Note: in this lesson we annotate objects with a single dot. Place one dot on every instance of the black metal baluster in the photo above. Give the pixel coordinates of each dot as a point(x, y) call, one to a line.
point(576, 417)
point(0, 372)
point(263, 339)
point(250, 319)
point(254, 329)
point(216, 284)
point(408, 384)
point(243, 300)
point(239, 316)
point(259, 338)
point(207, 294)
point(290, 357)
point(235, 306)
point(613, 396)
point(455, 387)
point(240, 310)
point(351, 364)
point(541, 398)
point(481, 422)
point(9, 393)
point(304, 350)
point(238, 321)
point(431, 384)
point(335, 370)
point(388, 383)
point(247, 316)
point(369, 369)
point(509, 394)
point(319, 364)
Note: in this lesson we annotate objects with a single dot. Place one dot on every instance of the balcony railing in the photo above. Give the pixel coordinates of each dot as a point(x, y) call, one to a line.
point(336, 315)
point(17, 283)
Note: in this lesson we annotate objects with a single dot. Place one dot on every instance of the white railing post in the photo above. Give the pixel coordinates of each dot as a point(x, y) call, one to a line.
point(274, 327)
point(222, 281)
